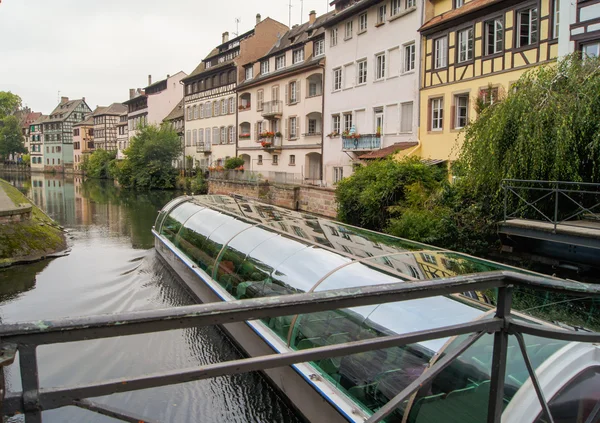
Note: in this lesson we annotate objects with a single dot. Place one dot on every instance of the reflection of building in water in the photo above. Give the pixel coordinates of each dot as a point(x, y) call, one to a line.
point(38, 193)
point(60, 198)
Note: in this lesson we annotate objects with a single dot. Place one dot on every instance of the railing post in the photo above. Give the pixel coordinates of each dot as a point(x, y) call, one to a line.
point(30, 382)
point(496, 399)
point(505, 199)
point(555, 205)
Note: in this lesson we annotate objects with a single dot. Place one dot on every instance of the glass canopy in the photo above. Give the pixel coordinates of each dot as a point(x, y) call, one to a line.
point(254, 250)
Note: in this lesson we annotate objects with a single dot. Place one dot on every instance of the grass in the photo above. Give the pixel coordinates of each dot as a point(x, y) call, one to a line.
point(29, 240)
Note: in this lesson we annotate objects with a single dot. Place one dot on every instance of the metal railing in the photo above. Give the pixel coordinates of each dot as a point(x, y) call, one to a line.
point(557, 202)
point(272, 108)
point(363, 142)
point(26, 337)
point(204, 148)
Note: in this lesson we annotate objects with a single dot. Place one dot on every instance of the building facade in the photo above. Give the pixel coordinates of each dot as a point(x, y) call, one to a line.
point(36, 144)
point(210, 93)
point(474, 52)
point(137, 111)
point(280, 112)
point(83, 142)
point(122, 135)
point(580, 27)
point(372, 81)
point(58, 134)
point(105, 126)
point(26, 128)
point(177, 121)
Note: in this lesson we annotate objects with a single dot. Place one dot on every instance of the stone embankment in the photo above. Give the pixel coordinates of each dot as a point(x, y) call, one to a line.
point(26, 233)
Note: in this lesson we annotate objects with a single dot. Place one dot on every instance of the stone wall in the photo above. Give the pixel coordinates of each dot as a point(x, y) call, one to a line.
point(303, 198)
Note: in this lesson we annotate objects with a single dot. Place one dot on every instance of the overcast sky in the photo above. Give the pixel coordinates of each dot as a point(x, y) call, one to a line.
point(98, 49)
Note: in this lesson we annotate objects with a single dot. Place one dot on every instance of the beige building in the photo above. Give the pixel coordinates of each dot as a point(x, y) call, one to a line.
point(176, 119)
point(210, 92)
point(122, 135)
point(280, 112)
point(105, 126)
point(83, 141)
point(37, 144)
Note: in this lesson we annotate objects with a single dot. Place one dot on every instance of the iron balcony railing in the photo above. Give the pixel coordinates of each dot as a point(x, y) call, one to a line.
point(27, 337)
point(272, 109)
point(203, 148)
point(365, 142)
point(556, 202)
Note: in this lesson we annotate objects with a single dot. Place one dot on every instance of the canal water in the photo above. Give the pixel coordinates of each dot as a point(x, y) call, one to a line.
point(112, 267)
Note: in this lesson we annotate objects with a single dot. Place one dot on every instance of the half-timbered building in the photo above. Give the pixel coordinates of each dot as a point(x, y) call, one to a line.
point(582, 30)
point(476, 49)
point(105, 126)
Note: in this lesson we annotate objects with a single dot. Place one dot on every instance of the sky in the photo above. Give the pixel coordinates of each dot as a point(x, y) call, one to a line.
point(98, 49)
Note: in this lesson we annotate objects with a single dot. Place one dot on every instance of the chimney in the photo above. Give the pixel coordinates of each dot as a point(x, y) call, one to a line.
point(131, 93)
point(225, 37)
point(64, 100)
point(168, 76)
point(312, 17)
point(149, 80)
point(257, 18)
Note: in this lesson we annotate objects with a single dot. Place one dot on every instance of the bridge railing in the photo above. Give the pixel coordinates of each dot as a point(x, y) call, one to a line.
point(27, 337)
point(556, 202)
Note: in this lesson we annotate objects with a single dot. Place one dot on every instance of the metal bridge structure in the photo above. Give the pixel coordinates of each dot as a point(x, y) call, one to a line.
point(25, 338)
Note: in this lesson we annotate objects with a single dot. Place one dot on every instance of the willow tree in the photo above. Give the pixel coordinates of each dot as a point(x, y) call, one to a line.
point(546, 128)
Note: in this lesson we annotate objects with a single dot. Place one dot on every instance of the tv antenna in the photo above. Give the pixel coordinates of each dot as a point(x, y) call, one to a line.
point(301, 10)
point(237, 26)
point(290, 15)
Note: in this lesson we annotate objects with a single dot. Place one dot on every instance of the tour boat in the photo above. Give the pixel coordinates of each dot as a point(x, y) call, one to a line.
point(226, 248)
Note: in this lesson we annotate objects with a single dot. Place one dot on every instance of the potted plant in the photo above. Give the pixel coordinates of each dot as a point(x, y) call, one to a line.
point(244, 136)
point(278, 134)
point(333, 134)
point(266, 144)
point(378, 133)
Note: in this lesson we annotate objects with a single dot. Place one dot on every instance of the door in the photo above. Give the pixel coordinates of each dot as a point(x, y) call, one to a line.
point(378, 123)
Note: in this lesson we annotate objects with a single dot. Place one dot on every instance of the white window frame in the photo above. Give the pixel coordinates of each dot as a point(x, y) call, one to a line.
point(347, 121)
point(338, 174)
point(298, 55)
point(293, 89)
point(410, 4)
point(381, 14)
point(394, 7)
point(461, 119)
point(465, 45)
point(292, 160)
point(532, 35)
point(337, 79)
point(437, 114)
point(459, 3)
point(409, 57)
point(280, 62)
point(440, 52)
point(319, 48)
point(380, 65)
point(409, 130)
point(348, 30)
point(361, 72)
point(264, 67)
point(333, 37)
point(336, 122)
point(292, 126)
point(555, 19)
point(249, 72)
point(362, 23)
point(497, 37)
point(224, 107)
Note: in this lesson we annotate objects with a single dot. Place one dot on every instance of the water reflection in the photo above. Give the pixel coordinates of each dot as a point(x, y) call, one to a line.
point(112, 268)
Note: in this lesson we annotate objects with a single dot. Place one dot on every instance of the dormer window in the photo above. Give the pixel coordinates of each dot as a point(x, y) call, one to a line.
point(280, 62)
point(298, 56)
point(264, 67)
point(249, 72)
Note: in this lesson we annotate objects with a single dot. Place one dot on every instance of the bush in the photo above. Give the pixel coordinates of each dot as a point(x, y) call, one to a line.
point(100, 164)
point(233, 163)
point(199, 185)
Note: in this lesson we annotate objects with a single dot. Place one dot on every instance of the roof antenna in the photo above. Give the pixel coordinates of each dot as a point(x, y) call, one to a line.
point(58, 98)
point(290, 15)
point(237, 26)
point(301, 11)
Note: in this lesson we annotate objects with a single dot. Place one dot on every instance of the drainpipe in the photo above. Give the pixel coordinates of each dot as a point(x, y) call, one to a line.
point(183, 108)
point(322, 66)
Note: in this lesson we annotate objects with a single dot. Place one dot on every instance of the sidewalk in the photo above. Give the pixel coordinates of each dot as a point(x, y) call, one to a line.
point(8, 208)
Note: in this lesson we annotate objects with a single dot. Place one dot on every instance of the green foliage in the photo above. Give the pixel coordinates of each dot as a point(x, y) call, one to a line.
point(11, 137)
point(99, 164)
point(364, 199)
point(9, 103)
point(233, 163)
point(547, 128)
point(26, 159)
point(148, 164)
point(199, 184)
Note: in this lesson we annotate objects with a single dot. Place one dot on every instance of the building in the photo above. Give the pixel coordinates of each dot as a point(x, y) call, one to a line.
point(105, 126)
point(579, 28)
point(371, 82)
point(27, 122)
point(37, 144)
point(122, 135)
point(280, 112)
point(176, 119)
point(83, 141)
point(210, 97)
point(472, 53)
point(137, 111)
point(58, 133)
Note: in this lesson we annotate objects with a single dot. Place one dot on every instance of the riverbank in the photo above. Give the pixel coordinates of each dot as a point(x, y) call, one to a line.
point(27, 234)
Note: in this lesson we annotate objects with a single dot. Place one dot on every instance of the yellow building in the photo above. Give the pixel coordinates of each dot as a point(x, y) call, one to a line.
point(468, 46)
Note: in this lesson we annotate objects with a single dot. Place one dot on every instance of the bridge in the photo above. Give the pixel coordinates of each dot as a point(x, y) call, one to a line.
point(25, 338)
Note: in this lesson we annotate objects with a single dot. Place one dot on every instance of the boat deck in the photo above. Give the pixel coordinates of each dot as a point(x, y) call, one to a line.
point(584, 233)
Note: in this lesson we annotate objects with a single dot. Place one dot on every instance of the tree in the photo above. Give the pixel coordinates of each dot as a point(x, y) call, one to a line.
point(233, 163)
point(148, 164)
point(99, 163)
point(9, 103)
point(11, 138)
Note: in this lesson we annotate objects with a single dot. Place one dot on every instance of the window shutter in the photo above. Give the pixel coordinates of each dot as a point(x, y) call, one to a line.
point(298, 82)
point(233, 138)
point(287, 94)
point(429, 111)
point(287, 128)
point(256, 132)
point(297, 127)
point(453, 115)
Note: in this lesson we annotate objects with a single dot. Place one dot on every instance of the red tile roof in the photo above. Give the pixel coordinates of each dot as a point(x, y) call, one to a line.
point(455, 13)
point(386, 151)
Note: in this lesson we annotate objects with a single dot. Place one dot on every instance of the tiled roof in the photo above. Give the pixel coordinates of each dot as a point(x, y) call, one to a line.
point(387, 151)
point(88, 121)
point(64, 109)
point(30, 118)
point(115, 109)
point(334, 17)
point(467, 8)
point(40, 119)
point(306, 64)
point(176, 113)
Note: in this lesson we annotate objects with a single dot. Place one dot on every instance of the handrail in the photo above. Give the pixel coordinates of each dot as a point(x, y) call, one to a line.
point(26, 337)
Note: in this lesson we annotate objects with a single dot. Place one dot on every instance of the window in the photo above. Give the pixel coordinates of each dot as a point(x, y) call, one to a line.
point(232, 105)
point(406, 117)
point(314, 88)
point(292, 160)
point(494, 36)
point(590, 49)
point(362, 23)
point(556, 19)
point(333, 35)
point(201, 137)
point(293, 125)
point(223, 107)
point(527, 24)
point(249, 72)
point(338, 174)
point(319, 48)
point(489, 95)
point(465, 45)
point(207, 110)
point(264, 67)
point(337, 79)
point(215, 134)
point(215, 108)
point(381, 12)
point(298, 55)
point(259, 99)
point(380, 66)
point(440, 53)
point(312, 126)
point(259, 161)
point(461, 104)
point(223, 139)
point(394, 7)
point(201, 110)
point(75, 133)
point(230, 135)
point(458, 3)
point(409, 57)
point(275, 159)
point(280, 62)
point(207, 136)
point(335, 124)
point(194, 137)
point(362, 72)
point(293, 92)
point(347, 122)
point(195, 112)
point(437, 114)
point(348, 33)
point(189, 113)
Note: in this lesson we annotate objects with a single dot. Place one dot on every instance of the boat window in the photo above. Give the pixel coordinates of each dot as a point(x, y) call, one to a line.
point(165, 210)
point(176, 218)
point(578, 401)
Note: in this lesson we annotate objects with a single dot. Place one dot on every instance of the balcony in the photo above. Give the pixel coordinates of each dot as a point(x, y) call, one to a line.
point(272, 109)
point(205, 148)
point(365, 142)
point(272, 145)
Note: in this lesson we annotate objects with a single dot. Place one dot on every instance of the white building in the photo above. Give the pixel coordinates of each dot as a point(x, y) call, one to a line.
point(578, 26)
point(371, 82)
point(37, 144)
